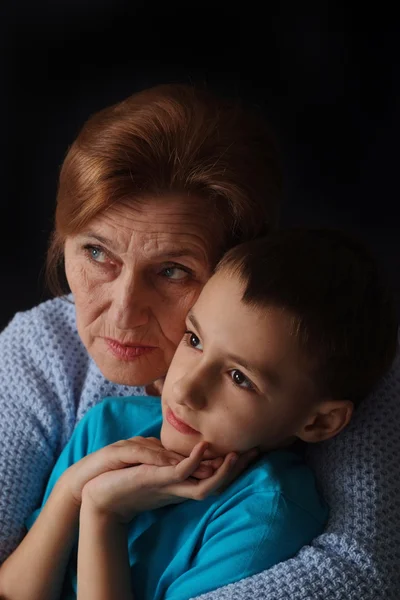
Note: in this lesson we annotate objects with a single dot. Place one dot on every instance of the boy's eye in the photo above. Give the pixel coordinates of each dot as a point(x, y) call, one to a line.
point(193, 340)
point(241, 380)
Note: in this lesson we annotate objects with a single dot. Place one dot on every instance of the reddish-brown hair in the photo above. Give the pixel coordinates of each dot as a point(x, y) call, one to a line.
point(170, 139)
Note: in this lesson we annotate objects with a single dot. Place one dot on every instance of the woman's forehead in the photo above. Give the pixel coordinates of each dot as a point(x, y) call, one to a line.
point(176, 225)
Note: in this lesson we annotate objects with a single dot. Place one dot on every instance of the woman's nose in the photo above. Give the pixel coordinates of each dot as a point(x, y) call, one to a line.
point(129, 307)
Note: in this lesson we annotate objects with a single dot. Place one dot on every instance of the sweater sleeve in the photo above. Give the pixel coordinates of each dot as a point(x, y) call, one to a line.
point(31, 423)
point(358, 555)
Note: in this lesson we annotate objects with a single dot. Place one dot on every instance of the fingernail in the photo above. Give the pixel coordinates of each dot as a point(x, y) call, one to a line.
point(233, 460)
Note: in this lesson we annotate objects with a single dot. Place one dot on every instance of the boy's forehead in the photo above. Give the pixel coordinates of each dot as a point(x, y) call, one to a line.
point(221, 310)
point(221, 285)
point(263, 337)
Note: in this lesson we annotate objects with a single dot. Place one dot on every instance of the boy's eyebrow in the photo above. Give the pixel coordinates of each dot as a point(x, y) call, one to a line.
point(194, 321)
point(271, 375)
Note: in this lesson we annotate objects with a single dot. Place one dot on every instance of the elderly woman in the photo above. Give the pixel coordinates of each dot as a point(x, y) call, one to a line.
point(151, 194)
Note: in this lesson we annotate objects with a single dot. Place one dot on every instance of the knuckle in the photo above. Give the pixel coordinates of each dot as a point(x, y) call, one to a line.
point(108, 451)
point(200, 495)
point(118, 444)
point(178, 477)
point(160, 456)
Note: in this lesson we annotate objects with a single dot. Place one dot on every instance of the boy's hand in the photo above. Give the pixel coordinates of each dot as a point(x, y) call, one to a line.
point(124, 493)
point(123, 454)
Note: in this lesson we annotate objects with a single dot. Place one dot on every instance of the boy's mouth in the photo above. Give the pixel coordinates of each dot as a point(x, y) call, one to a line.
point(179, 425)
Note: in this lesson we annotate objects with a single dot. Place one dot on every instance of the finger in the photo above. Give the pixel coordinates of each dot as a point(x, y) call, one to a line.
point(180, 472)
point(203, 472)
point(134, 454)
point(220, 477)
point(244, 460)
point(200, 489)
point(188, 466)
point(214, 463)
point(155, 444)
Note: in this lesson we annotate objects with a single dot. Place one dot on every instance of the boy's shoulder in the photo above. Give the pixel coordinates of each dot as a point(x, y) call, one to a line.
point(123, 417)
point(281, 475)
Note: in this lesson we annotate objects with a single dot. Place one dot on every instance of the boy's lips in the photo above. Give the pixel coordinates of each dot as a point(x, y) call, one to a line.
point(179, 425)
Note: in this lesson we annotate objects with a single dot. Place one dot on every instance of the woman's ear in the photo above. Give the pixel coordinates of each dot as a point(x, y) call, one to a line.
point(327, 420)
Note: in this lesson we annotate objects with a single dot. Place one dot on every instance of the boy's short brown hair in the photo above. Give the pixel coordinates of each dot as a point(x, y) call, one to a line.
point(342, 311)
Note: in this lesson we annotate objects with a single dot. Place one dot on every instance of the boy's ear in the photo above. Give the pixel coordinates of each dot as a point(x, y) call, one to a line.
point(326, 421)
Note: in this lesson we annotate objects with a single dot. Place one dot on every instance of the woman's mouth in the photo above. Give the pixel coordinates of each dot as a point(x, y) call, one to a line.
point(128, 351)
point(179, 425)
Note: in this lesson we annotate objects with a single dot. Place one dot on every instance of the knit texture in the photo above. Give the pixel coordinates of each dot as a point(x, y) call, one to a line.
point(48, 383)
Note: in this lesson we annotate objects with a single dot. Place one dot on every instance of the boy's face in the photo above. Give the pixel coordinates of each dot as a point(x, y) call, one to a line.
point(236, 380)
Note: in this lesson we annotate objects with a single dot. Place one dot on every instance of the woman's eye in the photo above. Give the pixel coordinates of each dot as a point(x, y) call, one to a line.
point(96, 254)
point(241, 380)
point(175, 273)
point(193, 340)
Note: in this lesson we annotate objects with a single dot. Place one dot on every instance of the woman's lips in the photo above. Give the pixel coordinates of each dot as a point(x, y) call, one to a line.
point(127, 351)
point(178, 424)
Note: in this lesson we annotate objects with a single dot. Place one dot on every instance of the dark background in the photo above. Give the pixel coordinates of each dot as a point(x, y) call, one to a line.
point(328, 82)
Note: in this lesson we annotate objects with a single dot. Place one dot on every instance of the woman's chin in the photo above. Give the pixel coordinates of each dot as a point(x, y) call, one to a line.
point(135, 373)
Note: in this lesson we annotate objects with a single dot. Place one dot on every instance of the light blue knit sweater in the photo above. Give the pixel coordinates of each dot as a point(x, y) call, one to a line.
point(48, 382)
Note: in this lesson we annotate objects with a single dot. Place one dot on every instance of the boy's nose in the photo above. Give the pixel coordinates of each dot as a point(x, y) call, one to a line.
point(189, 392)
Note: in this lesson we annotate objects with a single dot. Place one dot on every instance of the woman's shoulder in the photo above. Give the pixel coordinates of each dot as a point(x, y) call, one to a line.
point(41, 336)
point(43, 327)
point(52, 316)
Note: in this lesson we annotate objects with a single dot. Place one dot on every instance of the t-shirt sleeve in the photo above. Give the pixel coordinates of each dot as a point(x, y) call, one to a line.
point(81, 443)
point(247, 538)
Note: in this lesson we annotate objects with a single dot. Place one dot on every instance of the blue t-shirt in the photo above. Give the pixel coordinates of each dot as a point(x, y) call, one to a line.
point(180, 551)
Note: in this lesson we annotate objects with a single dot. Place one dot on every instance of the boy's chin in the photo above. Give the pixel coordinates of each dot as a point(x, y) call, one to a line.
point(175, 443)
point(183, 445)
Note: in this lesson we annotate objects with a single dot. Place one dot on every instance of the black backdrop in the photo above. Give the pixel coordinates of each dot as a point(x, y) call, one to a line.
point(328, 82)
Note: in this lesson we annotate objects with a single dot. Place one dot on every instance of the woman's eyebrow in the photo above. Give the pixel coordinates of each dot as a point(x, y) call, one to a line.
point(178, 253)
point(103, 240)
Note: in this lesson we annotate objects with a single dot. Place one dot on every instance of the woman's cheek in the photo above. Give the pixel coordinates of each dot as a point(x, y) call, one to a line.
point(82, 277)
point(88, 290)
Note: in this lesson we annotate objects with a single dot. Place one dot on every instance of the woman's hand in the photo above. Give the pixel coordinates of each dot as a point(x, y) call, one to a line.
point(124, 454)
point(123, 493)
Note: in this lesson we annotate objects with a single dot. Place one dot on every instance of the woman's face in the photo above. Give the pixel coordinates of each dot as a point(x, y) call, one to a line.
point(134, 273)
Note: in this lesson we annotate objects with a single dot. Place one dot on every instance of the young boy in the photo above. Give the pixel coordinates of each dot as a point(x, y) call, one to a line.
point(286, 338)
